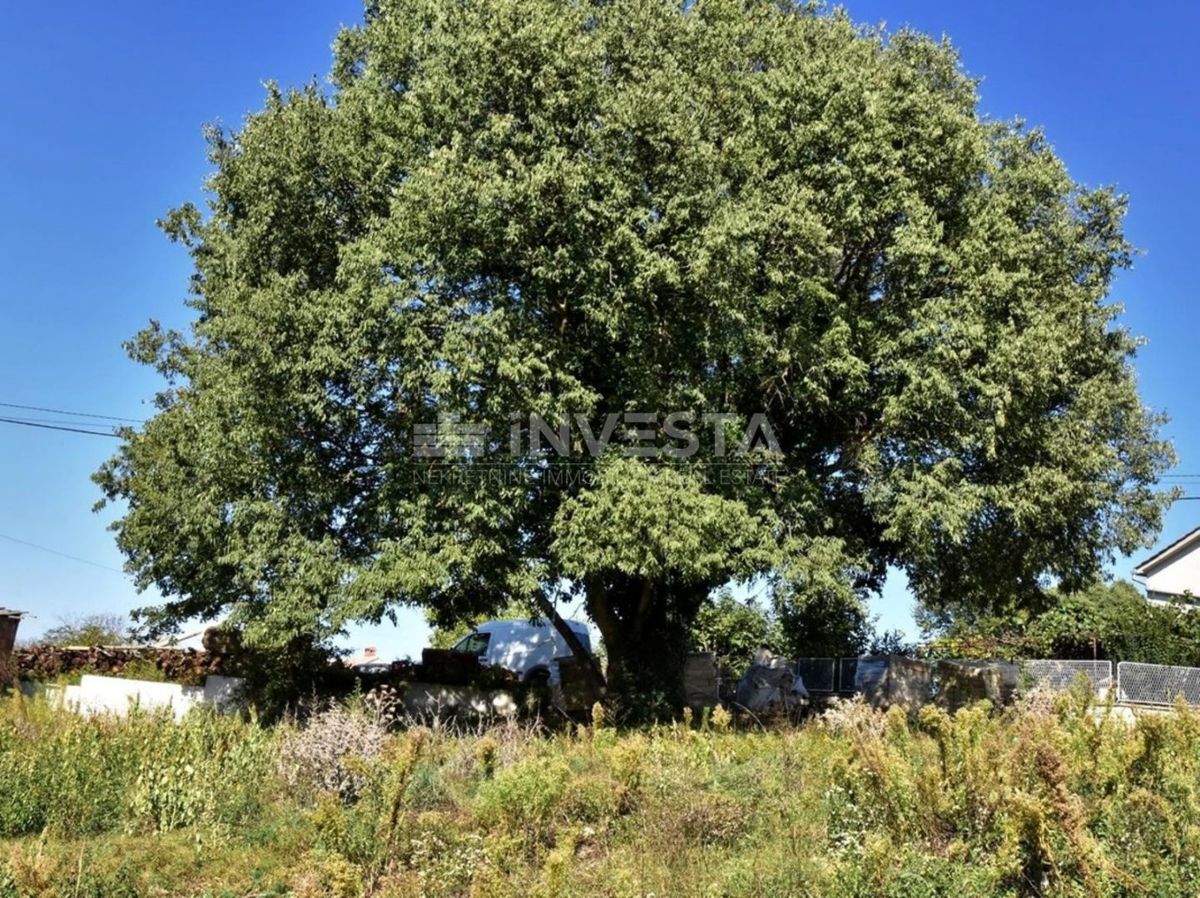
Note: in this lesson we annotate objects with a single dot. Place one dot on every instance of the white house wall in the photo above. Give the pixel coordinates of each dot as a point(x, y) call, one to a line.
point(1179, 575)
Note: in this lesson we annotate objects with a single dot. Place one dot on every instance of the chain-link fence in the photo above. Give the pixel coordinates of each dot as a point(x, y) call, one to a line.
point(1054, 674)
point(1135, 683)
point(1157, 684)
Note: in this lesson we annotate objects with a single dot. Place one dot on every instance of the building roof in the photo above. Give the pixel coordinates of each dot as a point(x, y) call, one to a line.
point(8, 612)
point(369, 656)
point(1169, 553)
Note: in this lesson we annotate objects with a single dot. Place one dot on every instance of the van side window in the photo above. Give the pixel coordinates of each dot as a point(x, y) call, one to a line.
point(474, 644)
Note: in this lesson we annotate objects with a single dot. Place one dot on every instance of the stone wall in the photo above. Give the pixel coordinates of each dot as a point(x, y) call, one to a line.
point(49, 662)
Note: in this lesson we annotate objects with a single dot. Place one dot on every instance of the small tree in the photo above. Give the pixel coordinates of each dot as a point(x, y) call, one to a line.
point(823, 625)
point(89, 630)
point(733, 630)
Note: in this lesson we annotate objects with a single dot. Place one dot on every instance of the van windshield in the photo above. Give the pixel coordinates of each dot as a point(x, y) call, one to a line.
point(473, 644)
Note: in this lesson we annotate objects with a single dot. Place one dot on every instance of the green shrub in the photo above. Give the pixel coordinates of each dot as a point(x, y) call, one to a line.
point(524, 797)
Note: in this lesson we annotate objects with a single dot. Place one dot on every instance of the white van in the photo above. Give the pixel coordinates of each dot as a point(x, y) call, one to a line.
point(528, 648)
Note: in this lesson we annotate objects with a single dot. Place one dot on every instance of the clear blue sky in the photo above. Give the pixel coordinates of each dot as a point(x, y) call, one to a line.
point(102, 107)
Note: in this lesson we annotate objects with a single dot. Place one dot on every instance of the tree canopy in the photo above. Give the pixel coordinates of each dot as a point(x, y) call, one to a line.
point(640, 207)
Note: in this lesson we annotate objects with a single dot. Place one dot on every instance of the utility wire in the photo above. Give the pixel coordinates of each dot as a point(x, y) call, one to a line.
point(28, 423)
point(22, 542)
point(59, 411)
point(70, 422)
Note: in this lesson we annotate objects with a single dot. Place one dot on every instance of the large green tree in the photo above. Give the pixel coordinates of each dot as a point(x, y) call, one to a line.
point(720, 207)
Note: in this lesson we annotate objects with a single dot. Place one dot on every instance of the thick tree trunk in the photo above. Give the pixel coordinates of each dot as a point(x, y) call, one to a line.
point(645, 625)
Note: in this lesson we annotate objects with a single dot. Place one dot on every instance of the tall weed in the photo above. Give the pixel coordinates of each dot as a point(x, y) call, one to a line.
point(74, 775)
point(1055, 797)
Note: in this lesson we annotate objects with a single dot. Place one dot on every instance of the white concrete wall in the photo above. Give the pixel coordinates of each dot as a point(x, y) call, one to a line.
point(112, 695)
point(1179, 575)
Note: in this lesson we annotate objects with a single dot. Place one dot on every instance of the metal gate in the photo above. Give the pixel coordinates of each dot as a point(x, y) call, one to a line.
point(818, 674)
point(1054, 674)
point(1157, 684)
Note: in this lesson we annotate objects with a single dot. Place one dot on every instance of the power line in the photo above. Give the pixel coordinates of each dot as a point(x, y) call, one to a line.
point(23, 542)
point(59, 411)
point(70, 422)
point(28, 423)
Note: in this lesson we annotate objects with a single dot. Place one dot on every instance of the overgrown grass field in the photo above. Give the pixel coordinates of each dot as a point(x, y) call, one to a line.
point(1050, 798)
